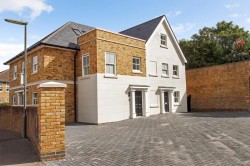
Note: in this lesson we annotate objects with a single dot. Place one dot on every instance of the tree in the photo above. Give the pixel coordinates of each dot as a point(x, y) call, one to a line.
point(224, 43)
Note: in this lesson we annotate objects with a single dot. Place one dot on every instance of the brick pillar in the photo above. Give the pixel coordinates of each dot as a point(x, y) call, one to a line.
point(51, 121)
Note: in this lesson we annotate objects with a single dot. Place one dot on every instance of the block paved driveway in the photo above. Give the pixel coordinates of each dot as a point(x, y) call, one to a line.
point(169, 139)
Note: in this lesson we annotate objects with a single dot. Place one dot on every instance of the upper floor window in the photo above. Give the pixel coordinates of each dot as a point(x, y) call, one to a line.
point(23, 68)
point(136, 63)
point(110, 63)
point(7, 87)
point(163, 40)
point(1, 86)
point(85, 65)
point(34, 98)
point(15, 73)
point(35, 64)
point(176, 96)
point(176, 70)
point(165, 69)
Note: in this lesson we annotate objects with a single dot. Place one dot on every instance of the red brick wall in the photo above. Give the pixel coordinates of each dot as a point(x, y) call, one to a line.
point(11, 118)
point(222, 87)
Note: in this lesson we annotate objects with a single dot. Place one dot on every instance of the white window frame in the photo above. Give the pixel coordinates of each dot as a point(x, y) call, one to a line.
point(111, 74)
point(163, 41)
point(7, 87)
point(35, 64)
point(34, 99)
point(177, 97)
point(20, 95)
point(175, 71)
point(165, 70)
point(138, 65)
point(0, 100)
point(1, 87)
point(15, 72)
point(7, 101)
point(14, 101)
point(85, 66)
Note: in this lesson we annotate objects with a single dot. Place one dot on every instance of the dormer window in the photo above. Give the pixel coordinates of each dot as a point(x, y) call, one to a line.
point(163, 40)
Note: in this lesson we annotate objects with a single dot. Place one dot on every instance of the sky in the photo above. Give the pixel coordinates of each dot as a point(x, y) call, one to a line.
point(45, 16)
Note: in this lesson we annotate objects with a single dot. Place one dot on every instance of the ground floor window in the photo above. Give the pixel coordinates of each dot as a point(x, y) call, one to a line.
point(20, 98)
point(176, 96)
point(14, 100)
point(34, 98)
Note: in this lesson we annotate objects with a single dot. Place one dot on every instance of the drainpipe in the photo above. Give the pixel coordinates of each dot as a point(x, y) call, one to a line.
point(75, 105)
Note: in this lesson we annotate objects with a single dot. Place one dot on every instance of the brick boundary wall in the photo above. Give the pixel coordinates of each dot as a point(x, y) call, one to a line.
point(45, 123)
point(51, 122)
point(220, 88)
point(11, 118)
point(218, 110)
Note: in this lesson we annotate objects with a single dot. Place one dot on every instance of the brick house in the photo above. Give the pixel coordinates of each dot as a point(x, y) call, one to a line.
point(220, 88)
point(109, 76)
point(4, 86)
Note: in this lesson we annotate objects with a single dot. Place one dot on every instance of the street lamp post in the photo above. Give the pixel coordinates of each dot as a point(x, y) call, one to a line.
point(24, 134)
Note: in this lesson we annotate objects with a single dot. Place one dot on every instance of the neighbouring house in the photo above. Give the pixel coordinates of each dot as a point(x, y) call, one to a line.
point(109, 76)
point(220, 88)
point(4, 86)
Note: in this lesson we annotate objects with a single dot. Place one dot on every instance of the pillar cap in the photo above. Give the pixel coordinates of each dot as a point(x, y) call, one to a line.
point(52, 84)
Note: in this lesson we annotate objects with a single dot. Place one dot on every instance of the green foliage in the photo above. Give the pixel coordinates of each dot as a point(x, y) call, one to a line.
point(224, 43)
point(4, 104)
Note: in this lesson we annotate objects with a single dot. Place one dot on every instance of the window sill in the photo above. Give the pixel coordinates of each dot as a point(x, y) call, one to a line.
point(176, 77)
point(163, 46)
point(110, 76)
point(33, 105)
point(34, 72)
point(164, 76)
point(137, 72)
point(154, 106)
point(152, 75)
point(177, 104)
point(85, 77)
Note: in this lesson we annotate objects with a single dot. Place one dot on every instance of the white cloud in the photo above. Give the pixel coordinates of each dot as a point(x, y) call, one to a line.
point(235, 15)
point(7, 51)
point(233, 5)
point(248, 20)
point(173, 13)
point(182, 28)
point(10, 50)
point(36, 7)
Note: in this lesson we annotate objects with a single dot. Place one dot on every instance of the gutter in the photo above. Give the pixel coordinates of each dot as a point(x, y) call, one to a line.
point(75, 104)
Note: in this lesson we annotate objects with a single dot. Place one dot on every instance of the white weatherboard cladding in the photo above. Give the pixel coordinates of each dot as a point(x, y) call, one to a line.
point(87, 99)
point(169, 55)
point(113, 97)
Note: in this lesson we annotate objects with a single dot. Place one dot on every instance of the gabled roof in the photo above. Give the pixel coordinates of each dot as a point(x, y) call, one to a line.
point(144, 30)
point(64, 37)
point(4, 76)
